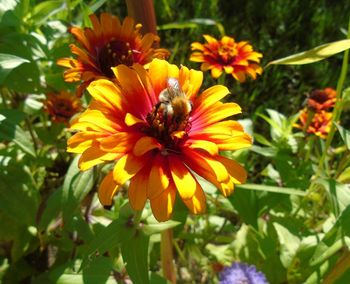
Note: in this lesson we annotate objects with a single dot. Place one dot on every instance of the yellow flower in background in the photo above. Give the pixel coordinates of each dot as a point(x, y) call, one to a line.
point(107, 44)
point(320, 124)
point(225, 55)
point(159, 130)
point(61, 106)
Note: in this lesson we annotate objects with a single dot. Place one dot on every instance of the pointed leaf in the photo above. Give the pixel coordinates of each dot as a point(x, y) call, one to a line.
point(289, 244)
point(345, 135)
point(135, 253)
point(76, 186)
point(313, 55)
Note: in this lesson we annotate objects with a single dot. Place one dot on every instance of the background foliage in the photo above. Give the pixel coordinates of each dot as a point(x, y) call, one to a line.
point(52, 227)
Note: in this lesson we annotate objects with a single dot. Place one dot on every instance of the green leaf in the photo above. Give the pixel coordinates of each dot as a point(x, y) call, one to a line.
point(135, 253)
point(156, 279)
point(106, 239)
point(10, 131)
point(345, 135)
point(98, 270)
point(338, 194)
point(334, 239)
point(270, 188)
point(313, 55)
point(51, 209)
point(45, 10)
point(344, 177)
point(18, 196)
point(245, 202)
point(8, 62)
point(76, 186)
point(150, 229)
point(289, 244)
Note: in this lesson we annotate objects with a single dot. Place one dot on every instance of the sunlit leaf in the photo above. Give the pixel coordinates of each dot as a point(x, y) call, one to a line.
point(76, 186)
point(315, 54)
point(150, 229)
point(11, 131)
point(46, 9)
point(8, 62)
point(345, 135)
point(344, 177)
point(338, 194)
point(289, 244)
point(334, 239)
point(269, 188)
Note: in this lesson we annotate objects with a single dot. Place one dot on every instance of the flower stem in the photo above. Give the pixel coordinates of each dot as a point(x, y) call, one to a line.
point(338, 106)
point(137, 218)
point(339, 269)
point(167, 257)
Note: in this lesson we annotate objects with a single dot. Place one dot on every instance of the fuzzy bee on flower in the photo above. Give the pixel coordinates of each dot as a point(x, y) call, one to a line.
point(173, 108)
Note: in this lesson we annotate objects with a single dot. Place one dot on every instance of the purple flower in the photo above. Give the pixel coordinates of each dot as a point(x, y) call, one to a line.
point(241, 273)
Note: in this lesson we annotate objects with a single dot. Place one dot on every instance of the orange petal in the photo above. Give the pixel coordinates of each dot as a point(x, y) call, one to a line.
point(131, 120)
point(145, 144)
point(158, 179)
point(197, 159)
point(204, 145)
point(133, 90)
point(137, 190)
point(94, 156)
point(216, 72)
point(80, 141)
point(107, 189)
point(159, 72)
point(183, 179)
point(120, 142)
point(196, 204)
point(237, 172)
point(163, 205)
point(107, 93)
point(127, 166)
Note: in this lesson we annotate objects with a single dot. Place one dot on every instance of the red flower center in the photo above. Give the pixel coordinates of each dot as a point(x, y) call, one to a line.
point(114, 53)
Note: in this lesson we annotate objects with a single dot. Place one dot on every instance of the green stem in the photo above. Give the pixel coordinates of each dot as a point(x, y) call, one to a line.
point(137, 218)
point(222, 79)
point(31, 132)
point(338, 107)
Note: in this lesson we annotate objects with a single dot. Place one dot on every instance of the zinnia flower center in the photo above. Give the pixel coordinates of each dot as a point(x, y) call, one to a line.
point(227, 54)
point(114, 53)
point(169, 119)
point(319, 96)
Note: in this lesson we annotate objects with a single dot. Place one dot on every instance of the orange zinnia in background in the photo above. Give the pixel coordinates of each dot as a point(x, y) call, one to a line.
point(322, 99)
point(160, 130)
point(225, 55)
point(319, 125)
point(107, 44)
point(62, 106)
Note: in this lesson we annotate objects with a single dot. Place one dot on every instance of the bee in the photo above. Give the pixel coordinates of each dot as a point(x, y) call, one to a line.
point(174, 105)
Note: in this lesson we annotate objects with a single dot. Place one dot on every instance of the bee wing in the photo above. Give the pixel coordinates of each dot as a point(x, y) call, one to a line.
point(174, 88)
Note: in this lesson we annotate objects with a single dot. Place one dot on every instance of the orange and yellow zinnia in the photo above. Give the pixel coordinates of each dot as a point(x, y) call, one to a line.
point(161, 132)
point(319, 125)
point(107, 44)
point(226, 55)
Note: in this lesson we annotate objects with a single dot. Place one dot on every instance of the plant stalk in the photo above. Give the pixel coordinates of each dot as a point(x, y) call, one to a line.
point(167, 257)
